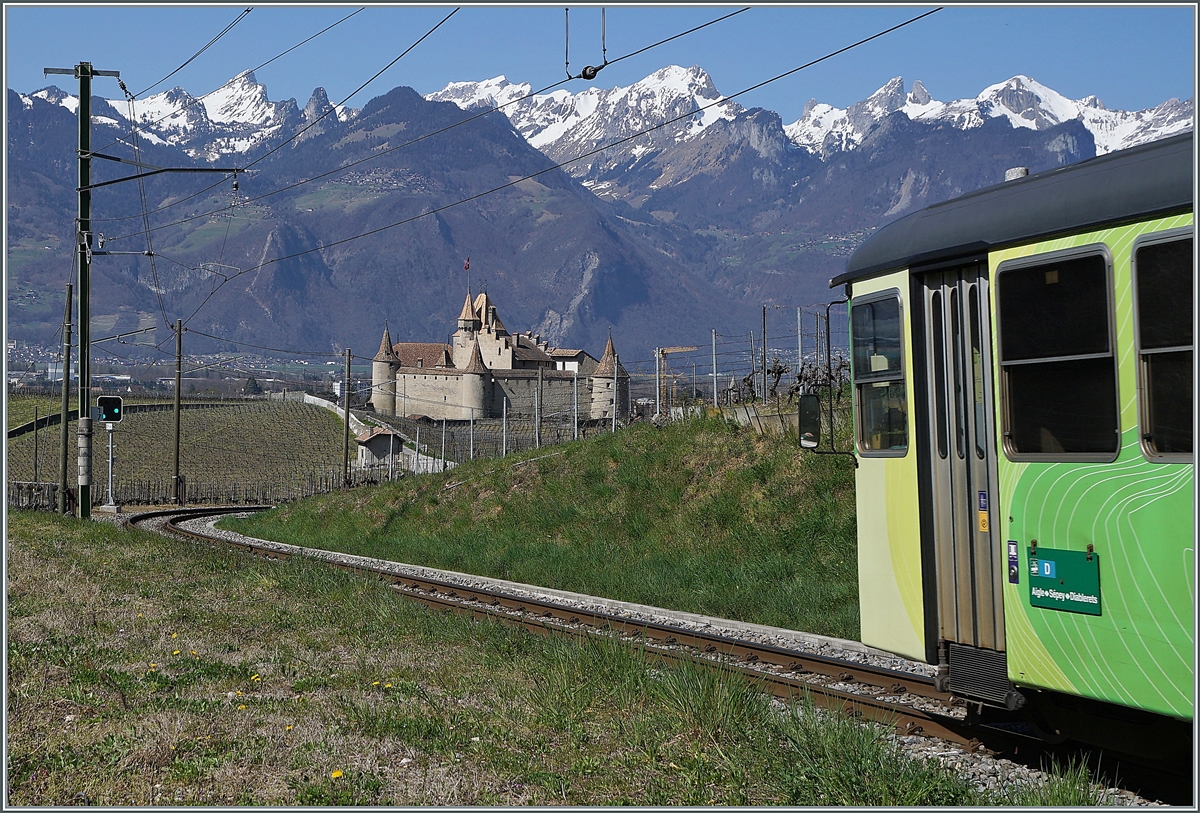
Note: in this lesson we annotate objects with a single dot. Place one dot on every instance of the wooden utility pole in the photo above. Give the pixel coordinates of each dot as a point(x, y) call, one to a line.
point(616, 366)
point(764, 355)
point(346, 433)
point(179, 490)
point(35, 444)
point(63, 434)
point(714, 355)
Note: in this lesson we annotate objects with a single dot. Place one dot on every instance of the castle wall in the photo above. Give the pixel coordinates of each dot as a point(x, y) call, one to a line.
point(438, 393)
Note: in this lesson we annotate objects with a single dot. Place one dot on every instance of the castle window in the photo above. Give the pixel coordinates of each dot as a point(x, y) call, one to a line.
point(420, 362)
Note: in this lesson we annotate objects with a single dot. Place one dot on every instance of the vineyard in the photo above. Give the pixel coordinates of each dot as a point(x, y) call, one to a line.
point(250, 452)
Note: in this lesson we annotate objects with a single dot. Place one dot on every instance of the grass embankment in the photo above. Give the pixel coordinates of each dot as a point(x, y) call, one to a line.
point(145, 671)
point(698, 516)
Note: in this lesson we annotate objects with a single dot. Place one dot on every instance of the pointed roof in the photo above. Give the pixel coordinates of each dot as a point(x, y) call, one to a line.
point(605, 368)
point(475, 365)
point(468, 312)
point(498, 326)
point(386, 353)
point(481, 306)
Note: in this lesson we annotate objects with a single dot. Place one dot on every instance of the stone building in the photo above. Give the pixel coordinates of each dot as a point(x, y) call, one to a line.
point(485, 372)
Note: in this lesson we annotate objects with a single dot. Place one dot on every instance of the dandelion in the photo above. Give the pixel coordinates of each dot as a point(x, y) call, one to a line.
point(388, 686)
point(336, 775)
point(239, 694)
point(376, 683)
point(256, 677)
point(241, 706)
point(287, 727)
point(176, 652)
point(139, 615)
point(153, 665)
point(174, 634)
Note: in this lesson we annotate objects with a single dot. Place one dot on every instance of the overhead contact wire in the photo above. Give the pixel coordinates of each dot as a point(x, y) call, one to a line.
point(211, 42)
point(314, 122)
point(590, 153)
point(423, 137)
point(199, 99)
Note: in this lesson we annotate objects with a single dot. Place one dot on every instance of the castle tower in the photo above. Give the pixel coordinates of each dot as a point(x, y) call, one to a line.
point(469, 325)
point(602, 385)
point(475, 387)
point(384, 367)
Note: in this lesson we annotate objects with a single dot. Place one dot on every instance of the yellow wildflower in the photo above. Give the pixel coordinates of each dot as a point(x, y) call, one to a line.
point(336, 775)
point(176, 652)
point(288, 727)
point(241, 706)
point(174, 634)
point(256, 677)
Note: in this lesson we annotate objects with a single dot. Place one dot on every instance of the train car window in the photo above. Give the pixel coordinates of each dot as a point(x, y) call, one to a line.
point(878, 369)
point(1163, 275)
point(1058, 371)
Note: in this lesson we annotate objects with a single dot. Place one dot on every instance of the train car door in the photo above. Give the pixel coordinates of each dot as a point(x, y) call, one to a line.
point(961, 480)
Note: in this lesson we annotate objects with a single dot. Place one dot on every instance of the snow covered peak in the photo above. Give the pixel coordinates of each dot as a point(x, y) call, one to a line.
point(919, 96)
point(592, 117)
point(242, 100)
point(488, 93)
point(1022, 101)
point(1027, 103)
point(55, 95)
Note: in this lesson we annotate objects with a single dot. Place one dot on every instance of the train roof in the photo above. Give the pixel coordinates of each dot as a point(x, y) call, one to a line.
point(1144, 181)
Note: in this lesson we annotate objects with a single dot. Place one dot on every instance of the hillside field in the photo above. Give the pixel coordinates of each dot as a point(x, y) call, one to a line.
point(699, 516)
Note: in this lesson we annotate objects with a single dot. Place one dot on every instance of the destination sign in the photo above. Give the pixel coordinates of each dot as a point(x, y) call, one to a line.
point(1066, 580)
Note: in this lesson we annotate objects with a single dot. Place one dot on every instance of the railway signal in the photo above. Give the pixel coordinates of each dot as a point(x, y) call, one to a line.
point(110, 408)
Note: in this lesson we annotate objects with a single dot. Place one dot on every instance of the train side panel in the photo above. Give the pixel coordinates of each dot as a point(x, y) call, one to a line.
point(1125, 631)
point(889, 545)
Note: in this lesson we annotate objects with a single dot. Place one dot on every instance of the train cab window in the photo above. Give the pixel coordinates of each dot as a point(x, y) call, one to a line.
point(1163, 277)
point(1058, 371)
point(878, 368)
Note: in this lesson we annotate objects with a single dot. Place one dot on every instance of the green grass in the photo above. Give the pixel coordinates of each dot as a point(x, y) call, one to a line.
point(698, 516)
point(146, 671)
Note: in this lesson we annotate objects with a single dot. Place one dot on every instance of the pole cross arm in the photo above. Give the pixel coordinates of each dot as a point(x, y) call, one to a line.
point(75, 72)
point(155, 172)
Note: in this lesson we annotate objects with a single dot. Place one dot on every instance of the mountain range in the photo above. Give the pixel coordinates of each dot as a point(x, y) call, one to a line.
point(698, 213)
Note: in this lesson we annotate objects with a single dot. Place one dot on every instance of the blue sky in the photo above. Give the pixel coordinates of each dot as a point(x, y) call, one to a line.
point(1131, 57)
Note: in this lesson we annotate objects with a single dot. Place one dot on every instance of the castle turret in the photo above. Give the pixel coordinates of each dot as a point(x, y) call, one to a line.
point(384, 367)
point(468, 320)
point(475, 378)
point(608, 378)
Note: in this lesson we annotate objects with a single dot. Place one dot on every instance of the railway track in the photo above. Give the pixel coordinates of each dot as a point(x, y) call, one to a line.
point(906, 700)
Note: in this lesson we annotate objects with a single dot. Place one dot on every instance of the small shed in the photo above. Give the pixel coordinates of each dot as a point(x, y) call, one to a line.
point(379, 444)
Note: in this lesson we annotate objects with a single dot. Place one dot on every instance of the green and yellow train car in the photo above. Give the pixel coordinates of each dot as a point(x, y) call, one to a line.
point(1022, 361)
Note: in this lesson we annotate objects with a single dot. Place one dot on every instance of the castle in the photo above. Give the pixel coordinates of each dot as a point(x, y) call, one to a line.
point(486, 372)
